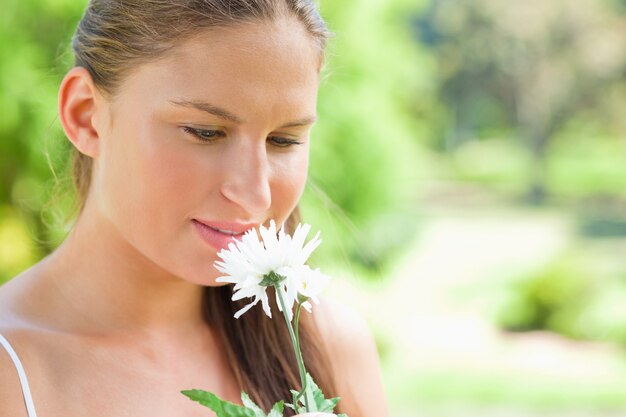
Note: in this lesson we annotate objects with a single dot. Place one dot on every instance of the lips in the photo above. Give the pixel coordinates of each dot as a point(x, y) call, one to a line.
point(220, 234)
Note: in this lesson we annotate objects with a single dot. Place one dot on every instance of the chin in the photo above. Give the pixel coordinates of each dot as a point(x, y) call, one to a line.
point(206, 277)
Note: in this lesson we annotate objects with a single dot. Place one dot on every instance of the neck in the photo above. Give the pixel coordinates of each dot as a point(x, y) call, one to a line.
point(101, 284)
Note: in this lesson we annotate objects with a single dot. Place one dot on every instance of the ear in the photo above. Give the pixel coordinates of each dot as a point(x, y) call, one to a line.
point(78, 110)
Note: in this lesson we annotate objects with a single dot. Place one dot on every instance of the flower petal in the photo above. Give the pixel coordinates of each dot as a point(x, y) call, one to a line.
point(266, 305)
point(246, 308)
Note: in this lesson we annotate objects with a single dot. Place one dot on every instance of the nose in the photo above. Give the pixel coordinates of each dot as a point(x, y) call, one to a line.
point(246, 178)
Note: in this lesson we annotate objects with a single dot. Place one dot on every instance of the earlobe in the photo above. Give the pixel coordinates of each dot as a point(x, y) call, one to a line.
point(77, 110)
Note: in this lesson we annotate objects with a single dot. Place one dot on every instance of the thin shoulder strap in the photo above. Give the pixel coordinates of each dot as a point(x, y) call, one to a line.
point(28, 398)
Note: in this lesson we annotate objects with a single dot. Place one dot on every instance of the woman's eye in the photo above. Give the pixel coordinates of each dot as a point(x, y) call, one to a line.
point(204, 135)
point(283, 142)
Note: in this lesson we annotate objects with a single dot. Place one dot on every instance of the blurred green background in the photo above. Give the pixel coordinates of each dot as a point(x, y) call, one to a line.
point(468, 174)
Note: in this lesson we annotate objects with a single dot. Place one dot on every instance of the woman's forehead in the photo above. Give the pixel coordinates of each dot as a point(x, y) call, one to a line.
point(264, 66)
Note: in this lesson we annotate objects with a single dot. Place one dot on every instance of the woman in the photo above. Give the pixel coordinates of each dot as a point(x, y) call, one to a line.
point(190, 123)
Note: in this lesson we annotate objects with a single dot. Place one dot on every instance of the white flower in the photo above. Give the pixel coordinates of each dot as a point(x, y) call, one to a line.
point(248, 262)
point(310, 285)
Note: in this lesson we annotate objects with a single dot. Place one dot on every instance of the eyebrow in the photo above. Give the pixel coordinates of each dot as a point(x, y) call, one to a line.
point(208, 108)
point(305, 121)
point(225, 114)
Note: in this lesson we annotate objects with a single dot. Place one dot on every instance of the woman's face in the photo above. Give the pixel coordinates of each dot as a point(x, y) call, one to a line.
point(215, 135)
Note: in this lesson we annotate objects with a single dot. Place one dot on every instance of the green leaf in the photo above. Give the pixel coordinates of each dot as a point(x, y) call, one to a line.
point(299, 409)
point(221, 407)
point(247, 401)
point(294, 395)
point(316, 399)
point(277, 410)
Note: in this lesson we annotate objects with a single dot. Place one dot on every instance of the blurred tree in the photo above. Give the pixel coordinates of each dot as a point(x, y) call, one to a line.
point(526, 68)
point(365, 155)
point(31, 62)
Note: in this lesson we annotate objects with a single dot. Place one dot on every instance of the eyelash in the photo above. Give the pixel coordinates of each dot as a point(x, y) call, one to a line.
point(213, 135)
point(203, 135)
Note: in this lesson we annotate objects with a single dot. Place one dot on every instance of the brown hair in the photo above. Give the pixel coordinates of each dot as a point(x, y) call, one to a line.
point(116, 36)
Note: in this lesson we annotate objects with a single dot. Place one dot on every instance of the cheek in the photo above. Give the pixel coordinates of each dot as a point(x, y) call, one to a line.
point(289, 178)
point(149, 182)
point(171, 173)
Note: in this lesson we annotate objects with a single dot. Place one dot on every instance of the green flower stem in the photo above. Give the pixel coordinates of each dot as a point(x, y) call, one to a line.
point(295, 342)
point(296, 325)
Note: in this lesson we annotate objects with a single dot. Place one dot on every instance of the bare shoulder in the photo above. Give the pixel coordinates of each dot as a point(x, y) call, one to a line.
point(341, 326)
point(16, 331)
point(11, 398)
point(356, 366)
